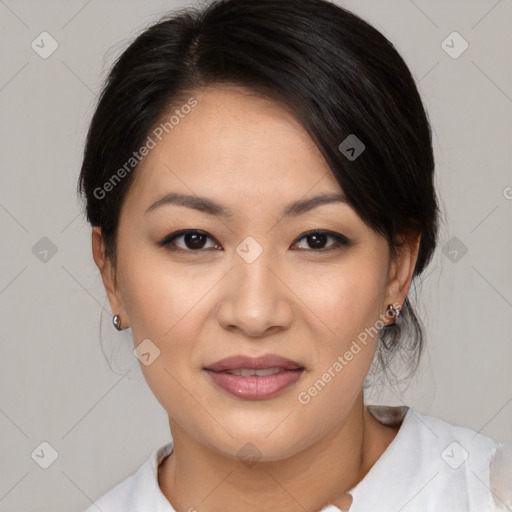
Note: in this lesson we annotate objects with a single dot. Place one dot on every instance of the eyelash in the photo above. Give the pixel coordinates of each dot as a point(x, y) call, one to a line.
point(340, 241)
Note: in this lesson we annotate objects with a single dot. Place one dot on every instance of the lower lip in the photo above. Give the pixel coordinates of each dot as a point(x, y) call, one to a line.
point(254, 387)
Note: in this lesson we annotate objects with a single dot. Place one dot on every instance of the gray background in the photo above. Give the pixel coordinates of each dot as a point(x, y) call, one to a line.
point(55, 382)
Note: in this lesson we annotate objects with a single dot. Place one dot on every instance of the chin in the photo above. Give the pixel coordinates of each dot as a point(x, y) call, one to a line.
point(250, 446)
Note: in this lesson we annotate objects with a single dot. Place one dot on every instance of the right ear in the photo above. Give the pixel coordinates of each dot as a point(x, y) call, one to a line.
point(106, 269)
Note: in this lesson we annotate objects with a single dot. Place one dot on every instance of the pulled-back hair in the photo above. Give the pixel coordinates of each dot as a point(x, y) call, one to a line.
point(334, 71)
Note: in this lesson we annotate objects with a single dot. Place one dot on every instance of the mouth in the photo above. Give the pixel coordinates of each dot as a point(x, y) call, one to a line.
point(251, 372)
point(264, 362)
point(255, 378)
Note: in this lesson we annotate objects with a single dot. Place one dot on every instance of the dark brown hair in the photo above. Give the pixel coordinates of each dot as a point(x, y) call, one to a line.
point(339, 76)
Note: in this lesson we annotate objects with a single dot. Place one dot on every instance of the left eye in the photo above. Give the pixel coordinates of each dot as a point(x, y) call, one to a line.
point(318, 238)
point(195, 240)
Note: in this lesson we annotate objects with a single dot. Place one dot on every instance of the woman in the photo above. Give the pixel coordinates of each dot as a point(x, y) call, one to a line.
point(259, 179)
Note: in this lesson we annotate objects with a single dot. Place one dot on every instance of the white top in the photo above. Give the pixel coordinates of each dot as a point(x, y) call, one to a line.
point(430, 465)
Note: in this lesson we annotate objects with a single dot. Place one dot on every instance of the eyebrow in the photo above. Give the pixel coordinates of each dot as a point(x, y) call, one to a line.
point(206, 205)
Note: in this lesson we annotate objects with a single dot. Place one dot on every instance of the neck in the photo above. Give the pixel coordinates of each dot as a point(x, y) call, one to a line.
point(196, 477)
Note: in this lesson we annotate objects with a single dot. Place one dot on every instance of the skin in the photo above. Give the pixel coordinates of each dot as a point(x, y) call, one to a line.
point(251, 155)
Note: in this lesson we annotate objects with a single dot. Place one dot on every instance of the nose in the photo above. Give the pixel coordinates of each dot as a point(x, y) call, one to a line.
point(255, 299)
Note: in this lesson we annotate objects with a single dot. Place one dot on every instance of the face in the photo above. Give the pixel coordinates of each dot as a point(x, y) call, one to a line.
point(203, 285)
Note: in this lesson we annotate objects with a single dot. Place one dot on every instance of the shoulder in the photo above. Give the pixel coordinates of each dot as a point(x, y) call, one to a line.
point(116, 498)
point(139, 491)
point(474, 469)
point(433, 464)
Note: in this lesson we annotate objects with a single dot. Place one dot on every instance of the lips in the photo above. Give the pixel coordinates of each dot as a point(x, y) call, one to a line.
point(255, 378)
point(241, 362)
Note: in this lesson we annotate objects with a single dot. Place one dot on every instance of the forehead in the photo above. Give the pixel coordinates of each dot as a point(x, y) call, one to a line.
point(234, 143)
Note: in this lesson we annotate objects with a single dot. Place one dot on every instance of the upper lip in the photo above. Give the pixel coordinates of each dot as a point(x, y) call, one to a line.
point(258, 363)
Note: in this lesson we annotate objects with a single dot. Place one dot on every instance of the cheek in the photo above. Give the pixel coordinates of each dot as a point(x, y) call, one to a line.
point(167, 309)
point(347, 300)
point(347, 297)
point(344, 355)
point(160, 297)
point(170, 305)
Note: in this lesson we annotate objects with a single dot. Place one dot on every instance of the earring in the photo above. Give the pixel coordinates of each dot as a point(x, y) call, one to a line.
point(116, 320)
point(393, 311)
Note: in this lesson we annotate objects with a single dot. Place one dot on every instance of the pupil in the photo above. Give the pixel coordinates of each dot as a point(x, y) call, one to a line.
point(318, 237)
point(191, 239)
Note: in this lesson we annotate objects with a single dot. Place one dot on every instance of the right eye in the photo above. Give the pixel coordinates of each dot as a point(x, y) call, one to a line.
point(193, 240)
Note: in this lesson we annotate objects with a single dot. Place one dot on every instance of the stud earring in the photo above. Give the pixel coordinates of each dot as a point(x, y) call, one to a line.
point(116, 320)
point(395, 312)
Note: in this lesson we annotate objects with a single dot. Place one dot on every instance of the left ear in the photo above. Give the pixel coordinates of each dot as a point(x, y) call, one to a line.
point(401, 269)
